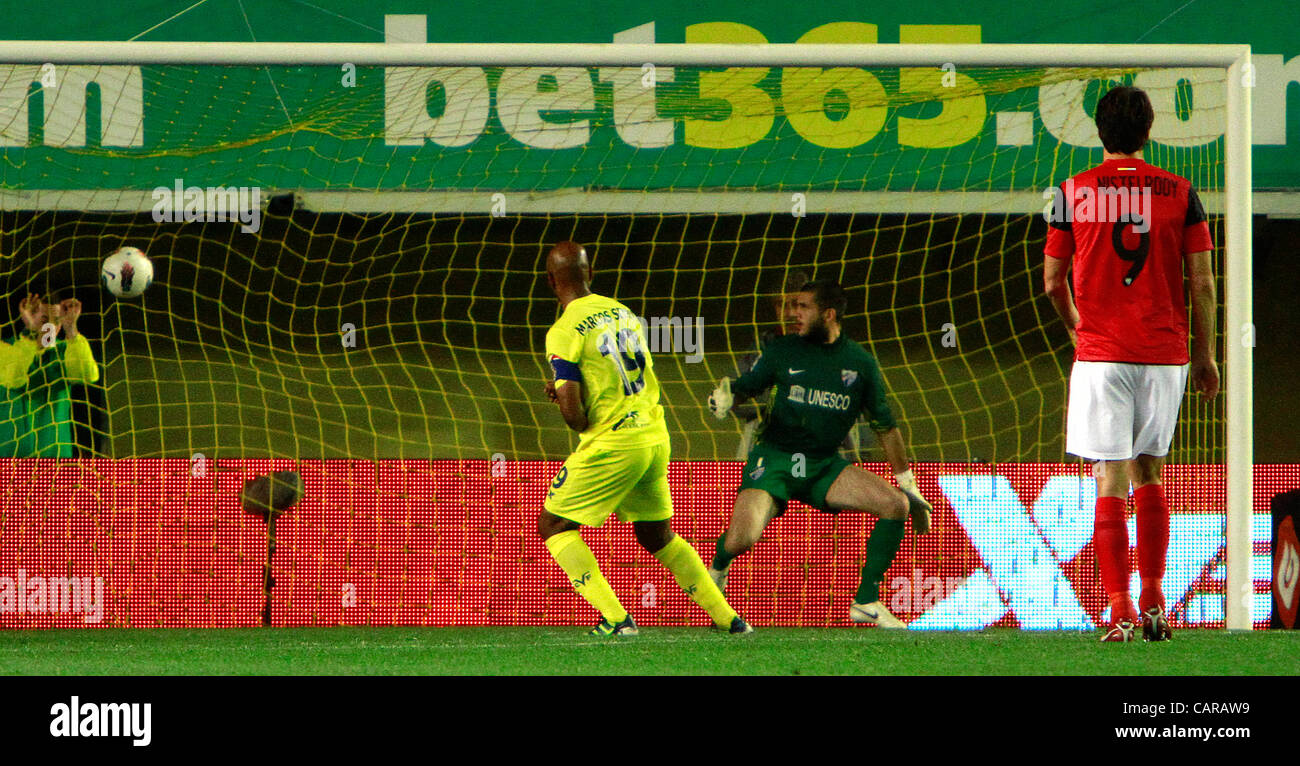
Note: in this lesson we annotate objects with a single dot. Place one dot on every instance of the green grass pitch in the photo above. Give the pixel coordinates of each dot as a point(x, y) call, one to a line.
point(657, 651)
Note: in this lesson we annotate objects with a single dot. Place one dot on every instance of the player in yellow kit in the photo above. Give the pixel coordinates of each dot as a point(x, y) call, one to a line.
point(607, 391)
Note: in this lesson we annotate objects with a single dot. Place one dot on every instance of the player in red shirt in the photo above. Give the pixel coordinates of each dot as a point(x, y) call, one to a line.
point(1133, 231)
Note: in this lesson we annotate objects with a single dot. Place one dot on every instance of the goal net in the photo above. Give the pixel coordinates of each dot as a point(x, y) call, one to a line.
point(349, 283)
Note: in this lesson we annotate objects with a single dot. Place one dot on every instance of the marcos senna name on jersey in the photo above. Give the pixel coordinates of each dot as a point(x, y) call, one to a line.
point(821, 389)
point(599, 343)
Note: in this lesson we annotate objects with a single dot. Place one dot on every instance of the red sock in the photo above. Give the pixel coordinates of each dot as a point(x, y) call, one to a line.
point(1110, 538)
point(1152, 542)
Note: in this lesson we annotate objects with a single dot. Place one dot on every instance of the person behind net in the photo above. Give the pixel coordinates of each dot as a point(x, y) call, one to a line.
point(1128, 232)
point(37, 371)
point(607, 391)
point(824, 381)
point(782, 298)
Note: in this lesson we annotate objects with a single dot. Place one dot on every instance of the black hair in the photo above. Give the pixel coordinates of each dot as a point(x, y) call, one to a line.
point(1124, 117)
point(828, 294)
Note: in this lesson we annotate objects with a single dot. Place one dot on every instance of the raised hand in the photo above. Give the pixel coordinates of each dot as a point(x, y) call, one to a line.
point(69, 310)
point(33, 311)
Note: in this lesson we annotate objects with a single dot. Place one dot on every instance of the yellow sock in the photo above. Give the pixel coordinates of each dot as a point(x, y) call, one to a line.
point(684, 562)
point(577, 561)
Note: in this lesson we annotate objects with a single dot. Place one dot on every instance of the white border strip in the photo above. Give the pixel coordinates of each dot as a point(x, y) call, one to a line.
point(1238, 190)
point(1281, 204)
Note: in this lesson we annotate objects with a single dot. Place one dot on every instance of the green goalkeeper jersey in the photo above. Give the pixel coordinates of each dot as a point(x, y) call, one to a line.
point(821, 390)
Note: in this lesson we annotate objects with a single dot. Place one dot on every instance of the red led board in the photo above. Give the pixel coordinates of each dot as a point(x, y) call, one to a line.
point(164, 543)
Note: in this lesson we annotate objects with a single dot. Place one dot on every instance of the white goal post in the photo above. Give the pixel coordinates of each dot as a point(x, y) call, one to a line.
point(1237, 204)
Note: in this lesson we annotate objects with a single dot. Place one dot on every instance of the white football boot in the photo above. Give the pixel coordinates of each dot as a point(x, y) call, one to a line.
point(876, 614)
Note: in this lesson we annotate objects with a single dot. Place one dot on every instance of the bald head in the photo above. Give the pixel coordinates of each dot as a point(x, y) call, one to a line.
point(568, 269)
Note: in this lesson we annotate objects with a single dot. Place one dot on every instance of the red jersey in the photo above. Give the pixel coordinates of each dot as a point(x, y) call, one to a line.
point(1129, 225)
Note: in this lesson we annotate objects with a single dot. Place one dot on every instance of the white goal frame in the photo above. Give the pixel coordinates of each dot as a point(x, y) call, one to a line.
point(1238, 328)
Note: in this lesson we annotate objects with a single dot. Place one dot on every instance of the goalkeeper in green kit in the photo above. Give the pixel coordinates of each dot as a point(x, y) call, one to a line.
point(824, 381)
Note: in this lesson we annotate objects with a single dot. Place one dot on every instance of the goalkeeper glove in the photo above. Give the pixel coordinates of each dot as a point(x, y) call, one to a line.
point(720, 400)
point(907, 483)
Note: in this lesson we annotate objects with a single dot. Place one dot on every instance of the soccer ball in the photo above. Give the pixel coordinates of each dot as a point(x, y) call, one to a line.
point(127, 272)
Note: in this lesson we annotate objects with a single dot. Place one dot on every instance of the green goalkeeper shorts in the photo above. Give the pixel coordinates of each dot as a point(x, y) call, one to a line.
point(792, 476)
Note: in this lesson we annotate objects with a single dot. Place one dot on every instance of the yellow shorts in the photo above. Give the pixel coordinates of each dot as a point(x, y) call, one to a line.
point(593, 483)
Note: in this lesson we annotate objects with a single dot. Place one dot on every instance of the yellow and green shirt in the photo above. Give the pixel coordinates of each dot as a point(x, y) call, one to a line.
point(35, 406)
point(599, 343)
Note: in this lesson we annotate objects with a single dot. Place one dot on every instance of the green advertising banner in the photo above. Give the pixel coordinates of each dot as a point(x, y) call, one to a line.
point(479, 129)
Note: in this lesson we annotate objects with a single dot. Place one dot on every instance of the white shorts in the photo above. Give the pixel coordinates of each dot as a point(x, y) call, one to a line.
point(1118, 411)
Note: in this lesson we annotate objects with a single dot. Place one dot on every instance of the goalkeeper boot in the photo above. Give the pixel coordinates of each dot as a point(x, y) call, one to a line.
point(719, 577)
point(606, 628)
point(738, 626)
point(1154, 625)
point(1121, 630)
point(876, 614)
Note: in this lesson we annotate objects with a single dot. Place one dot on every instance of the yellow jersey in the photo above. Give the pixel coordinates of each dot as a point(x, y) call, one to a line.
point(599, 343)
